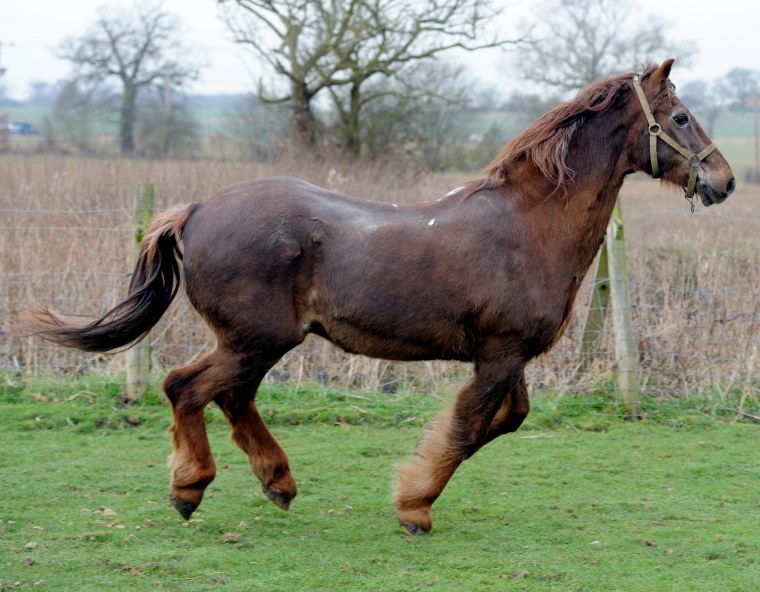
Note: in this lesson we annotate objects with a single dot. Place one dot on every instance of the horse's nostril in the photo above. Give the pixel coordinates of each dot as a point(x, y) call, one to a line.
point(730, 187)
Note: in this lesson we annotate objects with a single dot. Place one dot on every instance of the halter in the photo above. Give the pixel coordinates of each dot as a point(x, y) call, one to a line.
point(656, 131)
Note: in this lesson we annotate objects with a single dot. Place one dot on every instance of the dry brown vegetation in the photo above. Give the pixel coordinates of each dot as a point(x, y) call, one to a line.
point(66, 234)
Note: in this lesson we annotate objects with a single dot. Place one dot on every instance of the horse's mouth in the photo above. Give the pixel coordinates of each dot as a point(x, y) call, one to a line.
point(707, 200)
point(710, 196)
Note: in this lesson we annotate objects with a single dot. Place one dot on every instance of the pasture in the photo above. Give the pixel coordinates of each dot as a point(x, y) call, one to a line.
point(578, 499)
point(569, 503)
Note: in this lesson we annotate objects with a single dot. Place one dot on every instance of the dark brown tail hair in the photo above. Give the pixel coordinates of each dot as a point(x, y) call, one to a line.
point(154, 284)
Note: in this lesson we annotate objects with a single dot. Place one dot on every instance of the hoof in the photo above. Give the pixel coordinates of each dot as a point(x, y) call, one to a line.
point(415, 521)
point(279, 498)
point(413, 529)
point(184, 507)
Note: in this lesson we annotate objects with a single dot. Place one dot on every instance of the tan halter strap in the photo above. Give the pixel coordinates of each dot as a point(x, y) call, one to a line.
point(656, 131)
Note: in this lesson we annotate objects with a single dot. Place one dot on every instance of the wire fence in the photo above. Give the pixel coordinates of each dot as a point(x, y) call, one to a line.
point(695, 296)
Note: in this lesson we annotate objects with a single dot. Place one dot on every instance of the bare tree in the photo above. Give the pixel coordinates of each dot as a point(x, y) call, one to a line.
point(738, 85)
point(298, 40)
point(710, 99)
point(706, 99)
point(166, 126)
point(397, 34)
point(257, 126)
point(136, 49)
point(575, 42)
point(317, 45)
point(416, 113)
point(80, 107)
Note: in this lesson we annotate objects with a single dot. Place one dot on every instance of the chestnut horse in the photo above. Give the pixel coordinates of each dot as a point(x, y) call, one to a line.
point(486, 274)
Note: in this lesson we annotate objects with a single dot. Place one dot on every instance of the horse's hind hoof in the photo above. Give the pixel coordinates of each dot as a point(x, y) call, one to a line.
point(279, 498)
point(185, 508)
point(413, 529)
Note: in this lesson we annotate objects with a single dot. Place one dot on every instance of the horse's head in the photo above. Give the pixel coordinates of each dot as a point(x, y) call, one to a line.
point(673, 145)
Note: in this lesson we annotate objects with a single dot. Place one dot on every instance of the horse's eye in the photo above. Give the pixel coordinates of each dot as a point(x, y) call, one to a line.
point(682, 120)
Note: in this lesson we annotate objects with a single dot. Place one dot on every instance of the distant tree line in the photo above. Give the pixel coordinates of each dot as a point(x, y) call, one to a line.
point(363, 77)
point(350, 74)
point(739, 90)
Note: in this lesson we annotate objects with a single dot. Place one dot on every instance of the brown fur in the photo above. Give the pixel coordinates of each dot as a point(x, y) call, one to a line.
point(487, 274)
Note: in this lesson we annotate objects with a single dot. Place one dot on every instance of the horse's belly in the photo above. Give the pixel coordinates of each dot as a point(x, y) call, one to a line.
point(450, 344)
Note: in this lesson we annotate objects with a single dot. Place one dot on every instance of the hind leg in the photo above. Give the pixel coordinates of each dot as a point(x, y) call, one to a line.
point(190, 389)
point(269, 462)
point(513, 411)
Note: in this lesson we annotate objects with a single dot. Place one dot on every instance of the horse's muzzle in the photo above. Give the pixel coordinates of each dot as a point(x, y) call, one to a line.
point(713, 195)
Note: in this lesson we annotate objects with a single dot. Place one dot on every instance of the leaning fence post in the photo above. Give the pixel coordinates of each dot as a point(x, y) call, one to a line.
point(597, 312)
point(625, 347)
point(138, 357)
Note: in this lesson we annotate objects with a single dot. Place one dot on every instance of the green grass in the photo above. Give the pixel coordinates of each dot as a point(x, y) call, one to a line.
point(579, 499)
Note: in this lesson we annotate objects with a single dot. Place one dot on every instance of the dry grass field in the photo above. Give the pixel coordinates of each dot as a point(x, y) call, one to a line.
point(65, 240)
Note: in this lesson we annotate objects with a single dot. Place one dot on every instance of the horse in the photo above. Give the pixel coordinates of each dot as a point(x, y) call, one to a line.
point(487, 274)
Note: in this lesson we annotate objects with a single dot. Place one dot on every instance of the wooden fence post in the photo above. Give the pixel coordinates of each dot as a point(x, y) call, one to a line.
point(625, 347)
point(138, 357)
point(597, 312)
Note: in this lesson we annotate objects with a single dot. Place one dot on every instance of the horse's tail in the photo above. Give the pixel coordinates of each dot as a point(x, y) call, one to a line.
point(155, 281)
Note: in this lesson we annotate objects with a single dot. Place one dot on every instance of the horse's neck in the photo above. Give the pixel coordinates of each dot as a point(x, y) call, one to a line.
point(599, 158)
point(593, 208)
point(579, 212)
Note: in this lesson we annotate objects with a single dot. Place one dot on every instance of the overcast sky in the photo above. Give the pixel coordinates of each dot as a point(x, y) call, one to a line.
point(727, 34)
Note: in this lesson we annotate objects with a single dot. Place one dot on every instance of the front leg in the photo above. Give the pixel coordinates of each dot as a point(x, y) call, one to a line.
point(454, 437)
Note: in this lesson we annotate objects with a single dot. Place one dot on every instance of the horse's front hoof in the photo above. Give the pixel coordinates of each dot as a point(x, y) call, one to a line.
point(279, 498)
point(416, 521)
point(413, 529)
point(184, 507)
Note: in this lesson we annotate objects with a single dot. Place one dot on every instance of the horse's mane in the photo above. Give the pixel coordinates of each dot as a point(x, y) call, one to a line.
point(546, 142)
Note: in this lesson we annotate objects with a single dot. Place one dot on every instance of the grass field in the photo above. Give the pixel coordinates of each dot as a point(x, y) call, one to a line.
point(567, 503)
point(579, 499)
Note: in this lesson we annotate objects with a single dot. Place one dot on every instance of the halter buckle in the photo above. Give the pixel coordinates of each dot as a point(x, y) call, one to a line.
point(654, 129)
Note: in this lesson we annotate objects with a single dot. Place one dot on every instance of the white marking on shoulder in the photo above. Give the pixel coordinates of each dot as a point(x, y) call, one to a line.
point(395, 205)
point(453, 191)
point(432, 222)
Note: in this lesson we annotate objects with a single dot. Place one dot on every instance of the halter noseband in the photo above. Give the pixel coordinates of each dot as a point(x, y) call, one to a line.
point(656, 131)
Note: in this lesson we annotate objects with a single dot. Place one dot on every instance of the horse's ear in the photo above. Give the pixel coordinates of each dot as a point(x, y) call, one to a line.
point(661, 74)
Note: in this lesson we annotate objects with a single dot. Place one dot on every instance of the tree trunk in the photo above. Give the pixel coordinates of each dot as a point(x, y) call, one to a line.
point(303, 118)
point(353, 122)
point(712, 116)
point(127, 120)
